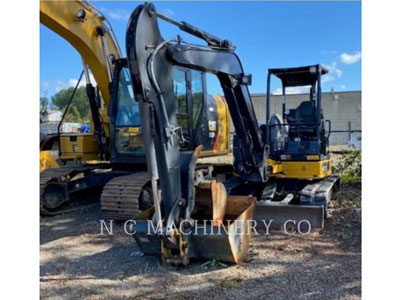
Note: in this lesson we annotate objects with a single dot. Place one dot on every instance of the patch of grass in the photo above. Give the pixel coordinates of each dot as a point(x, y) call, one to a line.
point(231, 283)
point(343, 235)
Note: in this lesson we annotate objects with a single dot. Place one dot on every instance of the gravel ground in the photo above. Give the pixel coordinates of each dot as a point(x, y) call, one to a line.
point(78, 263)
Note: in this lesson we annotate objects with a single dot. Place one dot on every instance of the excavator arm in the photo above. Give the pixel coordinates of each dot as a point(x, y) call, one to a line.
point(152, 60)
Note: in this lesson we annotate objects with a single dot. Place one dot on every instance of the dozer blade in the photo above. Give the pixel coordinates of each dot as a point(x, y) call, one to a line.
point(276, 216)
point(225, 238)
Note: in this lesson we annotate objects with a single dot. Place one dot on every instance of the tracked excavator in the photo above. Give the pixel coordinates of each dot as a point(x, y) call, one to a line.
point(298, 138)
point(111, 158)
point(180, 191)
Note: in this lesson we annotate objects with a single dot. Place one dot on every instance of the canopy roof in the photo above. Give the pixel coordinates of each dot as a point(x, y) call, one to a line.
point(299, 76)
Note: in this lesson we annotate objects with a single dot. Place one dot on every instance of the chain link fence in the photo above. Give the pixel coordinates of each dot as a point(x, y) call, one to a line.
point(341, 140)
point(345, 135)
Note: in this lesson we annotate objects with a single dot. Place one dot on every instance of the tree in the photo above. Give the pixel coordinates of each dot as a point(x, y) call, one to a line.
point(79, 109)
point(44, 103)
point(73, 115)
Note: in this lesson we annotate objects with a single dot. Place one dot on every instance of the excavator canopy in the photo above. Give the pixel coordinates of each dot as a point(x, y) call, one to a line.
point(299, 76)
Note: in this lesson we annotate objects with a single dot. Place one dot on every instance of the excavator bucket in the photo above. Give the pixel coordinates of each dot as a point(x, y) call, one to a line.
point(221, 226)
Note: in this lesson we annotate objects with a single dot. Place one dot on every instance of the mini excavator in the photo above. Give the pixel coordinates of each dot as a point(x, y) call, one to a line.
point(299, 163)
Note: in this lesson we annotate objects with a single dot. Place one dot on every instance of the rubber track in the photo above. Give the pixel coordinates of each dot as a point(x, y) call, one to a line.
point(120, 196)
point(320, 191)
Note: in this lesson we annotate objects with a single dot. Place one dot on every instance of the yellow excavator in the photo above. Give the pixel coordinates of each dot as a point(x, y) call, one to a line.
point(89, 32)
point(111, 158)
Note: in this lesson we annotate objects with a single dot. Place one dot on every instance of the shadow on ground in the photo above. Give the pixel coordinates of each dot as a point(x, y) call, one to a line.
point(78, 263)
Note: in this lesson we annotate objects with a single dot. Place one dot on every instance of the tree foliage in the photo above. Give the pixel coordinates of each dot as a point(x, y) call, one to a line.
point(79, 110)
point(44, 103)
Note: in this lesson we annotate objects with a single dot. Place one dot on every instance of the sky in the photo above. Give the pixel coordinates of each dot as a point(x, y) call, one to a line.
point(266, 34)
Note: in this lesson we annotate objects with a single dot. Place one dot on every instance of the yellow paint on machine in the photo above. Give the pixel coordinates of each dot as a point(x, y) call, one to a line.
point(223, 130)
point(312, 157)
point(79, 147)
point(133, 129)
point(48, 159)
point(300, 169)
point(60, 17)
point(223, 124)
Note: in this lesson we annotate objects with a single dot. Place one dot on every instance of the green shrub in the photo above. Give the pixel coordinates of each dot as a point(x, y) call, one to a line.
point(349, 167)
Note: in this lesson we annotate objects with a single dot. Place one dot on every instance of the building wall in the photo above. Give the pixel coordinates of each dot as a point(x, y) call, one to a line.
point(339, 107)
point(342, 108)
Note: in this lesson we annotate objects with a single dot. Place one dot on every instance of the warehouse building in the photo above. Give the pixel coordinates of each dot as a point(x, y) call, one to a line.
point(343, 109)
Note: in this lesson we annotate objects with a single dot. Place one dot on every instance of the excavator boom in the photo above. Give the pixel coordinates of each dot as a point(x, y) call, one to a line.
point(89, 32)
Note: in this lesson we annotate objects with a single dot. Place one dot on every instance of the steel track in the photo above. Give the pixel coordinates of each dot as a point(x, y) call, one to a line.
point(120, 196)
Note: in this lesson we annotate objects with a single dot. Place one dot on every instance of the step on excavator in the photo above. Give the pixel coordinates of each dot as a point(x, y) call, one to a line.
point(182, 193)
point(111, 158)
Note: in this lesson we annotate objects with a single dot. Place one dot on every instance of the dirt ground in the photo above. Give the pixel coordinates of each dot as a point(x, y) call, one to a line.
point(76, 262)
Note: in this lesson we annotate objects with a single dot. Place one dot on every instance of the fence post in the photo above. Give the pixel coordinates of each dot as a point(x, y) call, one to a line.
point(349, 131)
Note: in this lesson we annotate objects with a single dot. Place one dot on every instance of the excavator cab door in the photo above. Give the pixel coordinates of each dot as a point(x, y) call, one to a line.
point(125, 122)
point(196, 111)
point(181, 86)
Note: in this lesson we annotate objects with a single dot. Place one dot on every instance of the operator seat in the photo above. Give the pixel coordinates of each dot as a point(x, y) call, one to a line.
point(305, 119)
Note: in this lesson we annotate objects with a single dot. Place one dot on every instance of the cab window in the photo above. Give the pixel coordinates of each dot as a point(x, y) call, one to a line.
point(197, 95)
point(128, 137)
point(128, 108)
point(180, 93)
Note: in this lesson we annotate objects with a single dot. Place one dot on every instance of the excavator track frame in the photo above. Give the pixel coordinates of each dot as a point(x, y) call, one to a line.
point(59, 176)
point(120, 196)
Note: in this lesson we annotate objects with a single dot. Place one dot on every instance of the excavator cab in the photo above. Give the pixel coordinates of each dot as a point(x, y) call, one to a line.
point(302, 134)
point(203, 118)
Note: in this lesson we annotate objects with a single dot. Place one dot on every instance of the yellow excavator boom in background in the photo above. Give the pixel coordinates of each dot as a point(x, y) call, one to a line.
point(89, 32)
point(78, 23)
